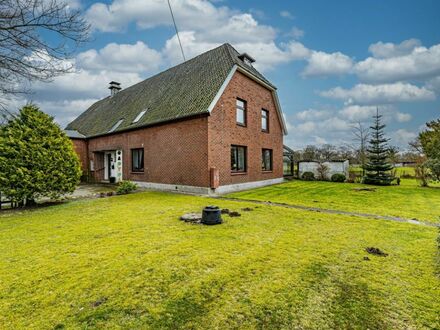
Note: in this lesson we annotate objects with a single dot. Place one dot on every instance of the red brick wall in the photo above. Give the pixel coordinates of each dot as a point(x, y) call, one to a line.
point(223, 132)
point(80, 147)
point(174, 153)
point(177, 153)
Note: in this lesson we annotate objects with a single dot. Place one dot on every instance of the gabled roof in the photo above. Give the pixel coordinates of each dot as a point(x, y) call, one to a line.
point(185, 90)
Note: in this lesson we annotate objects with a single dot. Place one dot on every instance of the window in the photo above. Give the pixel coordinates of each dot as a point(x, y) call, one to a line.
point(266, 160)
point(139, 116)
point(264, 120)
point(115, 126)
point(238, 159)
point(92, 165)
point(241, 112)
point(137, 160)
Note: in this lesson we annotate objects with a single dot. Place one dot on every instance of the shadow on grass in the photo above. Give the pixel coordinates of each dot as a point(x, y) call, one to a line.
point(346, 303)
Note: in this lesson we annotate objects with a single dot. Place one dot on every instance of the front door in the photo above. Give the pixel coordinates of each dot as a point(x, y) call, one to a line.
point(110, 166)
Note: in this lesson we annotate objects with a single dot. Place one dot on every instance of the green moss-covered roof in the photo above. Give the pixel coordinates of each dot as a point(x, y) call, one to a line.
point(181, 91)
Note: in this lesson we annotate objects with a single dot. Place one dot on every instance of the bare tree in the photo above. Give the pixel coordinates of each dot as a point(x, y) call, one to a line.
point(322, 170)
point(36, 36)
point(310, 152)
point(361, 136)
point(421, 170)
point(327, 152)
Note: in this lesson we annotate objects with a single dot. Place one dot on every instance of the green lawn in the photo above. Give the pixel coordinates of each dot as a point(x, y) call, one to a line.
point(400, 171)
point(128, 262)
point(407, 200)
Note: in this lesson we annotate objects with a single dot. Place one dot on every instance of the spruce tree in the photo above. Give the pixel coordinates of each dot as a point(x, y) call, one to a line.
point(378, 168)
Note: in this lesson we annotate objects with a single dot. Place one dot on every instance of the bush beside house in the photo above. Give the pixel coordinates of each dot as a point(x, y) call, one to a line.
point(36, 158)
point(126, 187)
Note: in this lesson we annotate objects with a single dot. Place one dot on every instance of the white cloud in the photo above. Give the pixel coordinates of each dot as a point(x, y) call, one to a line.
point(136, 57)
point(325, 64)
point(403, 117)
point(403, 136)
point(355, 113)
point(319, 140)
point(306, 128)
point(286, 14)
point(295, 33)
point(380, 94)
point(146, 14)
point(434, 84)
point(312, 114)
point(387, 50)
point(211, 24)
point(267, 54)
point(422, 63)
point(335, 124)
point(83, 84)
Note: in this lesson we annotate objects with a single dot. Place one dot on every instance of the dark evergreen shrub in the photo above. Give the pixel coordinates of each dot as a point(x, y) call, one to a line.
point(338, 177)
point(308, 176)
point(37, 159)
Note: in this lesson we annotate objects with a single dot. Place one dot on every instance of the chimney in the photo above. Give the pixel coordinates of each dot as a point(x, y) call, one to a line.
point(246, 58)
point(114, 87)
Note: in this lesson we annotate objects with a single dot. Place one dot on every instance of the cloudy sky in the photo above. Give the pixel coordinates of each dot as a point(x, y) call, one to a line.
point(332, 61)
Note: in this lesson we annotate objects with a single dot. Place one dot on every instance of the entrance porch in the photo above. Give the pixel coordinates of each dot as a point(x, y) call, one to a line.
point(107, 166)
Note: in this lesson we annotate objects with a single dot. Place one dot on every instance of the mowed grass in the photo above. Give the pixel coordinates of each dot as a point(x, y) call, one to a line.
point(128, 262)
point(399, 171)
point(407, 200)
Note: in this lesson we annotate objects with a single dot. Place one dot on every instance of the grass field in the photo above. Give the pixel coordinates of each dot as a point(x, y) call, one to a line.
point(400, 171)
point(128, 262)
point(407, 200)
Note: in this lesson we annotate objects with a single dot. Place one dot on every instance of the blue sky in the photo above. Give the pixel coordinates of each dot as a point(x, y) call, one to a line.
point(332, 61)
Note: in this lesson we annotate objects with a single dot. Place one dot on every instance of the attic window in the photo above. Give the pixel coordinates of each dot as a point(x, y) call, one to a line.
point(246, 58)
point(115, 126)
point(139, 116)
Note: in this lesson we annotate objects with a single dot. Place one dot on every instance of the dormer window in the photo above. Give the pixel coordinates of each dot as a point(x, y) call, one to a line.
point(246, 58)
point(115, 126)
point(139, 116)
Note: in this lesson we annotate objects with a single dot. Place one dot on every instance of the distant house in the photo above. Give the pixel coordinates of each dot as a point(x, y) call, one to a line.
point(212, 124)
point(334, 166)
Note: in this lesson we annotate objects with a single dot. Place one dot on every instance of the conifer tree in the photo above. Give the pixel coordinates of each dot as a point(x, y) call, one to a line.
point(378, 168)
point(36, 157)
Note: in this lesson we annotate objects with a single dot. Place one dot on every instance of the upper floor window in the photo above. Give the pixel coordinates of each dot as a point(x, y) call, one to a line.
point(266, 160)
point(137, 160)
point(241, 112)
point(264, 120)
point(238, 159)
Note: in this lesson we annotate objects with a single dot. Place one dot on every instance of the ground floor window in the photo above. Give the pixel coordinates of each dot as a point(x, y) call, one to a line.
point(238, 158)
point(137, 160)
point(266, 160)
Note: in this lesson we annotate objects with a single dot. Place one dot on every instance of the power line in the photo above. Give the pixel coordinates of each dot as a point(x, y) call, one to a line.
point(177, 31)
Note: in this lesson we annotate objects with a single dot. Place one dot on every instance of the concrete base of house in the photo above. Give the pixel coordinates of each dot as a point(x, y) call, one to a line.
point(207, 190)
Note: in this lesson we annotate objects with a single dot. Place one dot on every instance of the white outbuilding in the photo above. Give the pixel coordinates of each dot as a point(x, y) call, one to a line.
point(334, 166)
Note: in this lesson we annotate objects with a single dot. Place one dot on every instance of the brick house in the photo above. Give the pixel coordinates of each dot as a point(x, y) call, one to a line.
point(212, 124)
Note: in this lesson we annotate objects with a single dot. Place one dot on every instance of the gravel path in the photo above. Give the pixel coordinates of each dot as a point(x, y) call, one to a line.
point(317, 209)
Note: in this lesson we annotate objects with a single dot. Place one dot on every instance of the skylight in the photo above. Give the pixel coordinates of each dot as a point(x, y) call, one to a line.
point(139, 116)
point(115, 126)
